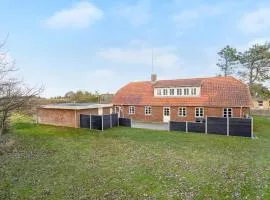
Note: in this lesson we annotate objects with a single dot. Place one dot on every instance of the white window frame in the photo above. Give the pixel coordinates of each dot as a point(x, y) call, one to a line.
point(159, 92)
point(182, 109)
point(259, 102)
point(193, 91)
point(226, 111)
point(165, 93)
point(200, 109)
point(131, 110)
point(171, 90)
point(186, 92)
point(148, 110)
point(179, 92)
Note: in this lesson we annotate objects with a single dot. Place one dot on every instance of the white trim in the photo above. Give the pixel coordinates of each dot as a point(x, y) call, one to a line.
point(134, 110)
point(168, 93)
point(68, 107)
point(199, 112)
point(182, 111)
point(149, 109)
point(227, 111)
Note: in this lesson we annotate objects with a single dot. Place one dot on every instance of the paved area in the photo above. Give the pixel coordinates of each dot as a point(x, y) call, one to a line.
point(154, 126)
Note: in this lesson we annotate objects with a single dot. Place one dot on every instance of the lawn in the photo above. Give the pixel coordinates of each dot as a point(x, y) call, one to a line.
point(122, 163)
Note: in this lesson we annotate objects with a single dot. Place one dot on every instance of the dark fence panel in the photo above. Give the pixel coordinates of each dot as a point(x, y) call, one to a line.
point(240, 127)
point(96, 122)
point(106, 121)
point(177, 126)
point(84, 121)
point(217, 125)
point(125, 122)
point(196, 127)
point(114, 119)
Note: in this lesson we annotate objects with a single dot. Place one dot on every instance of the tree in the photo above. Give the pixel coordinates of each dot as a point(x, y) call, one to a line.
point(227, 60)
point(255, 64)
point(260, 91)
point(13, 92)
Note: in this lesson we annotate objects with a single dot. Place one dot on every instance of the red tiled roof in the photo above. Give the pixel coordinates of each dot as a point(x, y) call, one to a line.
point(215, 92)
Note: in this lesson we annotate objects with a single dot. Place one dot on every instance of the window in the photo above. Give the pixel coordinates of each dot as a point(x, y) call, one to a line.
point(186, 91)
point(227, 112)
point(171, 92)
point(148, 110)
point(179, 92)
point(165, 92)
point(131, 110)
point(199, 112)
point(158, 92)
point(193, 91)
point(182, 112)
point(260, 103)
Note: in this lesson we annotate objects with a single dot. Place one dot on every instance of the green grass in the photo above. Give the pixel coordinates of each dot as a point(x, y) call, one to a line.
point(122, 163)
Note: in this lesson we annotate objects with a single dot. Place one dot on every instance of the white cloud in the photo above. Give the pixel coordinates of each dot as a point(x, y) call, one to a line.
point(137, 14)
point(191, 16)
point(256, 21)
point(246, 46)
point(81, 15)
point(142, 55)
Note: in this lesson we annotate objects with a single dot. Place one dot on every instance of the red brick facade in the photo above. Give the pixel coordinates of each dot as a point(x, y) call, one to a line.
point(157, 113)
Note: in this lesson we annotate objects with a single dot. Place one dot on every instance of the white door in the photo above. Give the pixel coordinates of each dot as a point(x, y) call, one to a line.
point(166, 114)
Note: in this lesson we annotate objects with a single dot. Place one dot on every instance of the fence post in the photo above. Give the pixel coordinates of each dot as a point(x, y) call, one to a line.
point(102, 122)
point(118, 119)
point(186, 127)
point(206, 119)
point(228, 126)
point(110, 120)
point(90, 121)
point(252, 136)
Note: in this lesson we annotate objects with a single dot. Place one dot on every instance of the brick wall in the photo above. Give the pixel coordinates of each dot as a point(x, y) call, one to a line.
point(157, 113)
point(57, 117)
point(65, 117)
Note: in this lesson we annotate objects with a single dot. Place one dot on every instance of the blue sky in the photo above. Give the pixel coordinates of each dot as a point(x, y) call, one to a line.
point(101, 44)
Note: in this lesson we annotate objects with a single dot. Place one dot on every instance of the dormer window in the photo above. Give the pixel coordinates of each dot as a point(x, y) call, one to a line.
point(165, 92)
point(186, 91)
point(171, 92)
point(193, 91)
point(178, 92)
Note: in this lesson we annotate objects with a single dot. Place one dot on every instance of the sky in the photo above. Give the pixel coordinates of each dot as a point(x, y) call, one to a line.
point(100, 45)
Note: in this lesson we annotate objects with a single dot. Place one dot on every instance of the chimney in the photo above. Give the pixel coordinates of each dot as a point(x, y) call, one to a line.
point(153, 78)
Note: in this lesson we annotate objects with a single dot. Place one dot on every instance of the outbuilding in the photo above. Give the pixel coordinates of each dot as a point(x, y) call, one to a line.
point(68, 114)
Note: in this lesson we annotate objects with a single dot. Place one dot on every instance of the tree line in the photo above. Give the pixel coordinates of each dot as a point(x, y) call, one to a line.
point(251, 66)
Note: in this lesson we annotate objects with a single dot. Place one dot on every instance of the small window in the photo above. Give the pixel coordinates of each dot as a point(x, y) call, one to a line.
point(179, 92)
point(227, 112)
point(165, 92)
point(171, 92)
point(199, 112)
point(182, 112)
point(260, 103)
point(131, 110)
point(186, 91)
point(148, 110)
point(158, 92)
point(194, 91)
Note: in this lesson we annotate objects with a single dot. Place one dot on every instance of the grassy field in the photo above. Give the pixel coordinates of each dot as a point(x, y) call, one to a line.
point(121, 163)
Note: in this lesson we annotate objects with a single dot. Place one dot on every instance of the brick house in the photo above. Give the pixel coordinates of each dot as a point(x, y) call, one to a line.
point(183, 99)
